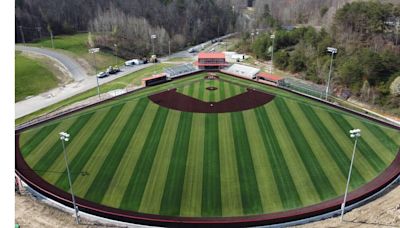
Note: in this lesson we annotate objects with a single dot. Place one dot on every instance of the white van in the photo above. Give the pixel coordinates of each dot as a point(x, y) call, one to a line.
point(133, 62)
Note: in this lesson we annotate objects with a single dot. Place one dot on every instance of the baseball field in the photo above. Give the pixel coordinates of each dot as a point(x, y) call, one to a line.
point(134, 154)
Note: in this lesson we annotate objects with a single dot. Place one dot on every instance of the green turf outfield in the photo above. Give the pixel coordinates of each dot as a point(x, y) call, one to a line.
point(135, 155)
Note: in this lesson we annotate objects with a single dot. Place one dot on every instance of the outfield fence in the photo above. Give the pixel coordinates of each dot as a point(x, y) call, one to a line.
point(305, 88)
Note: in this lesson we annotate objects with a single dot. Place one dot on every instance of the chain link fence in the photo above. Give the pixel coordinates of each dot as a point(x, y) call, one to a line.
point(301, 86)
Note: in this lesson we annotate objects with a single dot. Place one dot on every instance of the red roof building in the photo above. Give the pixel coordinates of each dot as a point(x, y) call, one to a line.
point(211, 60)
point(270, 78)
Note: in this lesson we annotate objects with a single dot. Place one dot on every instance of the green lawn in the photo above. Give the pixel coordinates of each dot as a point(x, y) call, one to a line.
point(31, 77)
point(77, 46)
point(132, 154)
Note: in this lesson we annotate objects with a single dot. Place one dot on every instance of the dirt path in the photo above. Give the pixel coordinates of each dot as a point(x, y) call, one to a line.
point(383, 212)
point(32, 213)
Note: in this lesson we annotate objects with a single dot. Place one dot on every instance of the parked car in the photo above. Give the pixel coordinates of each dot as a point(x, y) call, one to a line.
point(192, 50)
point(113, 70)
point(102, 74)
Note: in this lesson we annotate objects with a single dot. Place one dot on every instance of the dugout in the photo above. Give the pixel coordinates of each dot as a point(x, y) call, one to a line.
point(154, 80)
point(270, 79)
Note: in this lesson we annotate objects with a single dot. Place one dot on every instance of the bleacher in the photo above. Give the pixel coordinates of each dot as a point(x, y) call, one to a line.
point(242, 71)
point(180, 70)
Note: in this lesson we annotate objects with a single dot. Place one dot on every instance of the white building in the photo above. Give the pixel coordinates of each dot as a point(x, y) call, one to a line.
point(242, 71)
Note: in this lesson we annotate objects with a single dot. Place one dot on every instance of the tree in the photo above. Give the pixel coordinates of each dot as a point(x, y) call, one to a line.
point(281, 59)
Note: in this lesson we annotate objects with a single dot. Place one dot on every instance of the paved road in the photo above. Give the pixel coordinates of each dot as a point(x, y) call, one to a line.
point(43, 100)
point(75, 70)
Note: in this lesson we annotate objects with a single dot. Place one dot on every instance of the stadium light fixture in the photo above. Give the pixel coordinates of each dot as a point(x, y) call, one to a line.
point(355, 133)
point(333, 51)
point(64, 137)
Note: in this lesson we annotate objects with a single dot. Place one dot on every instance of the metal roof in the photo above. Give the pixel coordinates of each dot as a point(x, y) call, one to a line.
point(269, 76)
point(211, 55)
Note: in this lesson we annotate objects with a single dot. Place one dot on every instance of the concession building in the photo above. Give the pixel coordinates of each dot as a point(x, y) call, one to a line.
point(211, 61)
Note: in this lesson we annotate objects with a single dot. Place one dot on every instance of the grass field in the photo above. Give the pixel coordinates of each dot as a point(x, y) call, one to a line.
point(135, 155)
point(31, 77)
point(77, 46)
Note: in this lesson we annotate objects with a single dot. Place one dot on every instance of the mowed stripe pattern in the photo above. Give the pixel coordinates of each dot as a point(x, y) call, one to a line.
point(141, 157)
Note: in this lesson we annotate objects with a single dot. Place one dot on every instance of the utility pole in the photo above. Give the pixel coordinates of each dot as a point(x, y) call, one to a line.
point(22, 34)
point(39, 29)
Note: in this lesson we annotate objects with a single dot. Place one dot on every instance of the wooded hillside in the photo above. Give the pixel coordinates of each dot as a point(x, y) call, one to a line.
point(129, 23)
point(368, 60)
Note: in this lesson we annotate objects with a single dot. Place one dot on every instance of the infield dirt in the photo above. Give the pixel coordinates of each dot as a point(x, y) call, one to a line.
point(248, 100)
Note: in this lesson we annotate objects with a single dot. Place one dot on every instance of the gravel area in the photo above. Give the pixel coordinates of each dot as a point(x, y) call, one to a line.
point(382, 212)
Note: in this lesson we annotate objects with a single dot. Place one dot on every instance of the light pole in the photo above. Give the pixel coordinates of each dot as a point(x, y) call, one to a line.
point(333, 51)
point(93, 51)
point(152, 41)
point(272, 56)
point(355, 133)
point(115, 54)
point(64, 137)
point(52, 41)
point(22, 33)
point(169, 47)
point(39, 29)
